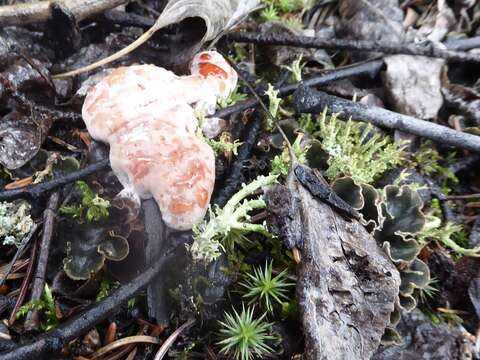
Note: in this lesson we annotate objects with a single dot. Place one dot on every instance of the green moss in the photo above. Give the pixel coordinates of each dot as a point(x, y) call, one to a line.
point(92, 206)
point(354, 148)
point(428, 161)
point(46, 306)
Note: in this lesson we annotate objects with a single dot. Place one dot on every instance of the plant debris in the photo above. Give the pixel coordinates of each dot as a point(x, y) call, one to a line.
point(242, 179)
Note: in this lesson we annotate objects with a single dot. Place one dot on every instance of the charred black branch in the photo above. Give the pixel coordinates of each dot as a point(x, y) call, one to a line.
point(235, 177)
point(35, 191)
point(40, 11)
point(427, 49)
point(370, 68)
point(465, 163)
point(463, 44)
point(307, 100)
point(53, 342)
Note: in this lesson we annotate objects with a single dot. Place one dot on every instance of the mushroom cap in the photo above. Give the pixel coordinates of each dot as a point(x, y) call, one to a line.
point(148, 116)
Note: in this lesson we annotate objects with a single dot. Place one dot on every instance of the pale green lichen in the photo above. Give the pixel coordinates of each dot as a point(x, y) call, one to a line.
point(355, 149)
point(273, 106)
point(296, 69)
point(224, 145)
point(281, 163)
point(234, 216)
point(232, 99)
point(15, 222)
point(434, 231)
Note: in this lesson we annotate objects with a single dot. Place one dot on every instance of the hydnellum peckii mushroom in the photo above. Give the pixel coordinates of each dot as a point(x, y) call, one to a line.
point(148, 115)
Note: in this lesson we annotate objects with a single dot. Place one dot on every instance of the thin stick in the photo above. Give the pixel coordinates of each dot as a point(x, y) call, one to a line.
point(370, 68)
point(53, 342)
point(171, 339)
point(24, 287)
point(37, 190)
point(307, 100)
point(32, 321)
point(40, 11)
point(429, 49)
point(126, 50)
point(462, 197)
point(123, 342)
point(19, 252)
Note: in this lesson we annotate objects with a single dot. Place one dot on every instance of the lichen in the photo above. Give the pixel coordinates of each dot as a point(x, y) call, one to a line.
point(281, 163)
point(15, 222)
point(355, 149)
point(210, 236)
point(434, 230)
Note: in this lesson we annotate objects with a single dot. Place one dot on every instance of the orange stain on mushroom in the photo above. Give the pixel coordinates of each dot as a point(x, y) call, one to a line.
point(207, 69)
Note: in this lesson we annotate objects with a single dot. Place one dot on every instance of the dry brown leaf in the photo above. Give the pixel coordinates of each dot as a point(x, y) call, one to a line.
point(218, 15)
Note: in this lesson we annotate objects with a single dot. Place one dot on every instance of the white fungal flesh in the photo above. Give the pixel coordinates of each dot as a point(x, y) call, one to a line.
point(148, 116)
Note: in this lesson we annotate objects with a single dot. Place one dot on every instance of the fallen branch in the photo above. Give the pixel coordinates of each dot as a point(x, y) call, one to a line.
point(32, 321)
point(463, 44)
point(370, 68)
point(465, 164)
point(35, 191)
point(54, 341)
point(307, 100)
point(39, 11)
point(428, 49)
point(236, 177)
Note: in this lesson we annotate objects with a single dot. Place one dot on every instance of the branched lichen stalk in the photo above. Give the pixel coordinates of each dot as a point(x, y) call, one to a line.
point(234, 216)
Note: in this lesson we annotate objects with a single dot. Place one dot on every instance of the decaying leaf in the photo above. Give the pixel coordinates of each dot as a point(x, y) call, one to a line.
point(216, 15)
point(21, 137)
point(346, 286)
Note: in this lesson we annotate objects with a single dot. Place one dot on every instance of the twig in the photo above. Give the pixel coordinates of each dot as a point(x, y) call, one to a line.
point(371, 68)
point(465, 163)
point(40, 11)
point(122, 342)
point(35, 191)
point(447, 212)
point(428, 49)
point(32, 320)
point(463, 197)
point(19, 252)
point(128, 19)
point(24, 287)
point(171, 339)
point(53, 342)
point(307, 100)
point(463, 44)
